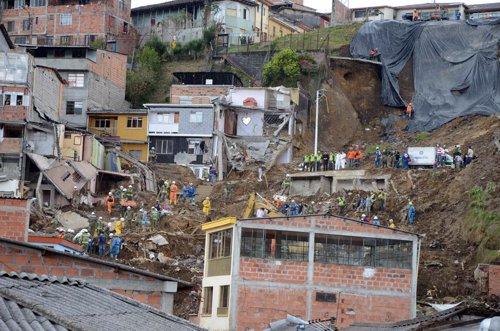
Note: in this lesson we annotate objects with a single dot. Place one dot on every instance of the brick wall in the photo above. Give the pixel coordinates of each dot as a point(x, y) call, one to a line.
point(494, 280)
point(269, 270)
point(13, 113)
point(110, 66)
point(14, 219)
point(11, 145)
point(199, 94)
point(21, 259)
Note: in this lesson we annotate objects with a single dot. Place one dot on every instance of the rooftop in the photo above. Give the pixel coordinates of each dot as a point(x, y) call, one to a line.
point(116, 111)
point(118, 266)
point(200, 78)
point(39, 302)
point(176, 3)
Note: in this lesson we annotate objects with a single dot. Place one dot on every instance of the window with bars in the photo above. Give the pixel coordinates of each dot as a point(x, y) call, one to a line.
point(65, 40)
point(222, 310)
point(76, 80)
point(10, 26)
point(134, 122)
point(271, 244)
point(220, 244)
point(370, 252)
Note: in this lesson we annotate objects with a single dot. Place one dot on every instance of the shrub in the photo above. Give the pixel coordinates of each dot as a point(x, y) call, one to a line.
point(283, 69)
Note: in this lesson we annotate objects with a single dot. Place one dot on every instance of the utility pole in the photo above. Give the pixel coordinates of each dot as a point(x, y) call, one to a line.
point(332, 15)
point(318, 93)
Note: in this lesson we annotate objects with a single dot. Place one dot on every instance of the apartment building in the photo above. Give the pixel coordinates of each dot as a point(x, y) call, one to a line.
point(70, 22)
point(313, 267)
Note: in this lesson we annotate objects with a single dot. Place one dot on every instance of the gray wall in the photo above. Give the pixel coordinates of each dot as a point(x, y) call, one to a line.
point(254, 127)
point(185, 126)
point(46, 92)
point(104, 94)
point(42, 142)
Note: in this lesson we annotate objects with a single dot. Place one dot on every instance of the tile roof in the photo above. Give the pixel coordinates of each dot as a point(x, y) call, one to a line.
point(39, 302)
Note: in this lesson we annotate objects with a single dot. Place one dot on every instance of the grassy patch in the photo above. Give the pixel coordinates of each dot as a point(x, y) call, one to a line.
point(326, 38)
point(372, 148)
point(483, 222)
point(422, 135)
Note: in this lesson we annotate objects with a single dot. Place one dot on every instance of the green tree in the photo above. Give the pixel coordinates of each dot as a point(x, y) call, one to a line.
point(283, 69)
point(149, 59)
point(142, 82)
point(155, 43)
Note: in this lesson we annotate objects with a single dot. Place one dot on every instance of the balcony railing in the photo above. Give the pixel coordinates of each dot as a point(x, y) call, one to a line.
point(103, 131)
point(163, 128)
point(219, 267)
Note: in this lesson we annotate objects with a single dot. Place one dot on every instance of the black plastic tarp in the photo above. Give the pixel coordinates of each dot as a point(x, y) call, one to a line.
point(456, 68)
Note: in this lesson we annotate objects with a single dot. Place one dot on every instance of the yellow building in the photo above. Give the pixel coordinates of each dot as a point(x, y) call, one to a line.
point(262, 20)
point(129, 127)
point(279, 27)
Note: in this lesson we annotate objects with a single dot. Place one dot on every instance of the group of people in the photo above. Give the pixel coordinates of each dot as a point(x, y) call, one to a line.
point(392, 159)
point(324, 161)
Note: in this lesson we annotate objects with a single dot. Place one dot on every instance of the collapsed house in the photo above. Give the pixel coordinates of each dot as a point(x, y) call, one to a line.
point(255, 126)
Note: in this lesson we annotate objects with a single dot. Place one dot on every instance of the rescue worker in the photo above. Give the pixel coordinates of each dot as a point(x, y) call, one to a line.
point(390, 159)
point(350, 157)
point(119, 226)
point(331, 161)
point(364, 218)
point(397, 157)
point(384, 158)
point(163, 193)
point(100, 225)
point(406, 159)
point(375, 220)
point(458, 162)
point(102, 243)
point(84, 239)
point(287, 182)
point(341, 202)
point(311, 208)
point(293, 208)
point(129, 194)
point(192, 193)
point(469, 156)
point(457, 150)
point(69, 235)
point(409, 110)
point(90, 244)
point(382, 196)
point(92, 223)
point(144, 219)
point(116, 247)
point(110, 202)
point(411, 213)
point(439, 155)
point(184, 192)
point(152, 155)
point(317, 159)
point(391, 224)
point(206, 206)
point(378, 157)
point(306, 162)
point(173, 194)
point(325, 157)
point(338, 161)
point(369, 202)
point(155, 218)
point(357, 158)
point(129, 215)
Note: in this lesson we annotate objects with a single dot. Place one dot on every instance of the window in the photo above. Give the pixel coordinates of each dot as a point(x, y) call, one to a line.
point(74, 107)
point(89, 39)
point(326, 297)
point(196, 117)
point(38, 3)
point(76, 177)
point(20, 40)
point(7, 100)
point(78, 53)
point(65, 40)
point(76, 80)
point(282, 245)
point(136, 154)
point(360, 13)
point(50, 40)
point(60, 52)
point(245, 13)
point(19, 100)
point(134, 122)
point(66, 19)
point(26, 25)
point(220, 244)
point(222, 310)
point(19, 3)
point(164, 146)
point(195, 147)
point(65, 176)
point(208, 293)
point(102, 123)
point(125, 27)
point(121, 5)
point(10, 26)
point(169, 118)
point(369, 252)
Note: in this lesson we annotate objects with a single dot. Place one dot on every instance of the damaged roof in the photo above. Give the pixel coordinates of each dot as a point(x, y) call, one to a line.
point(65, 175)
point(39, 302)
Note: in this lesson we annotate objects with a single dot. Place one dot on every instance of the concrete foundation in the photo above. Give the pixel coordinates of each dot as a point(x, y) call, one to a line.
point(313, 183)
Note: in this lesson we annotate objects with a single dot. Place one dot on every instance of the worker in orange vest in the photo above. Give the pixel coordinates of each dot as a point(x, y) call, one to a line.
point(350, 157)
point(357, 158)
point(409, 110)
point(173, 194)
point(110, 202)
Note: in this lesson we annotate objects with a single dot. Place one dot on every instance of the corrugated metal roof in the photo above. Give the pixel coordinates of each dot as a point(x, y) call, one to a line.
point(38, 302)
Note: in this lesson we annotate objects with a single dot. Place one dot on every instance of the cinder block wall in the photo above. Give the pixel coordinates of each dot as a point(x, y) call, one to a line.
point(14, 219)
point(494, 280)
